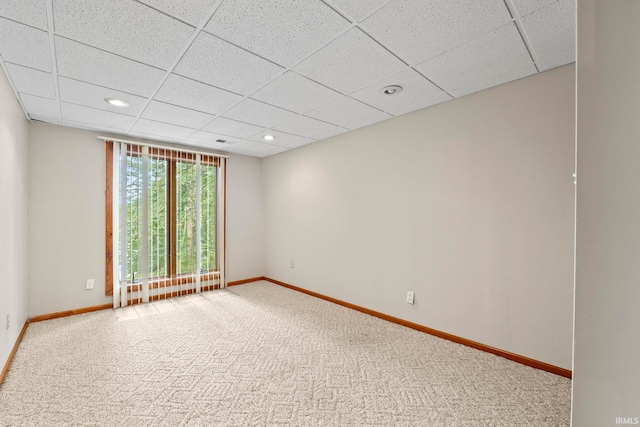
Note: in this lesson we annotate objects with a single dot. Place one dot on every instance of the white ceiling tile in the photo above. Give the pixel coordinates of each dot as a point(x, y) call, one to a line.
point(257, 149)
point(232, 128)
point(524, 7)
point(348, 113)
point(192, 94)
point(124, 27)
point(151, 137)
point(283, 31)
point(306, 126)
point(151, 127)
point(350, 62)
point(500, 77)
point(189, 11)
point(281, 138)
point(488, 59)
point(24, 45)
point(552, 29)
point(89, 95)
point(93, 127)
point(556, 61)
point(209, 139)
point(330, 134)
point(32, 82)
point(224, 148)
point(161, 112)
point(80, 113)
point(45, 119)
point(259, 114)
point(30, 12)
point(434, 26)
point(39, 106)
point(358, 9)
point(417, 92)
point(82, 62)
point(295, 93)
point(218, 63)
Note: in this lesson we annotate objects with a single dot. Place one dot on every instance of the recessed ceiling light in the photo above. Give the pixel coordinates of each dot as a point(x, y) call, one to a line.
point(391, 90)
point(116, 102)
point(269, 137)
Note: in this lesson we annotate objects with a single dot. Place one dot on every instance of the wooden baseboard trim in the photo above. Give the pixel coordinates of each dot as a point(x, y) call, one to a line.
point(67, 313)
point(7, 365)
point(242, 282)
point(498, 352)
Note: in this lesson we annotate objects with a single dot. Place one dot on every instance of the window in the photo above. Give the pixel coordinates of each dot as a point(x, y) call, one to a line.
point(165, 218)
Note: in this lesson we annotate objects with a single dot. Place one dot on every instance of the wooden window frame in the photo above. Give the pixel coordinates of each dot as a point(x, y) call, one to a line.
point(171, 190)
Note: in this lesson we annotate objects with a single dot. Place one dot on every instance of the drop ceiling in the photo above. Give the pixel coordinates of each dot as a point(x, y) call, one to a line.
point(198, 71)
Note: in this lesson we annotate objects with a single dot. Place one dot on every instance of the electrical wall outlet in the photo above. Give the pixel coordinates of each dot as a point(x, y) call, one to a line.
point(291, 263)
point(409, 297)
point(8, 321)
point(90, 283)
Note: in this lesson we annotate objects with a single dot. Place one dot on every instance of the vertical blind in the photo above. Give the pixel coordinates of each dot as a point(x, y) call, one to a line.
point(167, 223)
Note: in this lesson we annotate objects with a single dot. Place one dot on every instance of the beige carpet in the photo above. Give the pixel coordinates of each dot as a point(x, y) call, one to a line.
point(262, 355)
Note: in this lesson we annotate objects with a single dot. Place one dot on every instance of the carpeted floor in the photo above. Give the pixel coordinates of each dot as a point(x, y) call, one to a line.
point(262, 355)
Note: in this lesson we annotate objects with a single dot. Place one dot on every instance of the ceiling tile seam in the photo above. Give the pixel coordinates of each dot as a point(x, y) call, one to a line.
point(538, 8)
point(13, 87)
point(97, 85)
point(279, 131)
point(338, 11)
point(242, 48)
point(348, 17)
point(459, 45)
point(205, 83)
point(181, 106)
point(523, 33)
point(312, 118)
point(273, 127)
point(156, 121)
point(92, 108)
point(173, 65)
point(25, 66)
point(54, 60)
point(109, 52)
point(111, 129)
point(285, 69)
point(374, 38)
point(512, 20)
point(376, 11)
point(22, 23)
point(266, 143)
point(433, 82)
point(221, 134)
point(165, 13)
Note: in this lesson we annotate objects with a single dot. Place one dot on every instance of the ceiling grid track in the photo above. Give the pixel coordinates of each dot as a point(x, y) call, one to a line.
point(173, 65)
point(54, 62)
point(239, 70)
point(285, 70)
point(523, 32)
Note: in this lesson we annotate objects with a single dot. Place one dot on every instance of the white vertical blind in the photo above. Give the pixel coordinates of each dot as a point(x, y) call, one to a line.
point(198, 225)
point(152, 258)
point(144, 225)
point(221, 222)
point(115, 220)
point(122, 278)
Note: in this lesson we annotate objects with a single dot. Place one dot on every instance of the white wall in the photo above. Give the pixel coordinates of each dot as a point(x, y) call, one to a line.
point(469, 204)
point(245, 228)
point(13, 218)
point(67, 218)
point(607, 350)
